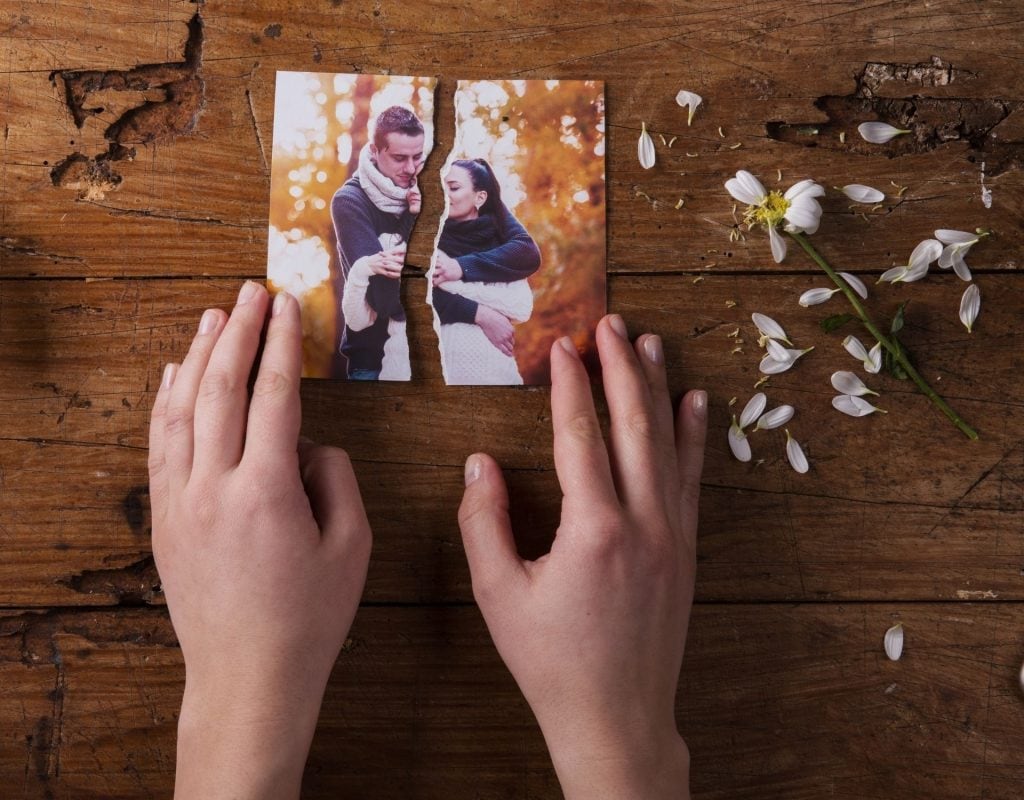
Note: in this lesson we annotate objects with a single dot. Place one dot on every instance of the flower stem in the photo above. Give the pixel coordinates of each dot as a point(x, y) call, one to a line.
point(897, 352)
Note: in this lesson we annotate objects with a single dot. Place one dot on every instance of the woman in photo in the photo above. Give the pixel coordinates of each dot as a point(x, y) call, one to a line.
point(482, 259)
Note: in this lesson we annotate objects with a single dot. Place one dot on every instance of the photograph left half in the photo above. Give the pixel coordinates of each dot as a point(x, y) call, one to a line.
point(344, 196)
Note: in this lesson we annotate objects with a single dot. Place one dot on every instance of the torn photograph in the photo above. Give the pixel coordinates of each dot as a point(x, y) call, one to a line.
point(344, 196)
point(519, 258)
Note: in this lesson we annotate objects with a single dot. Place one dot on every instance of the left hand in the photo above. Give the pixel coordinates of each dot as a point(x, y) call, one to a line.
point(262, 546)
point(446, 268)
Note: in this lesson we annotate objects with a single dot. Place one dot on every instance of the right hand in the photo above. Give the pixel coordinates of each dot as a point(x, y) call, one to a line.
point(593, 632)
point(388, 263)
point(497, 328)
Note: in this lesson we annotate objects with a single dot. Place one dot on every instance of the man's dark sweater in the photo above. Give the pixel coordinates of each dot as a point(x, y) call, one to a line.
point(358, 224)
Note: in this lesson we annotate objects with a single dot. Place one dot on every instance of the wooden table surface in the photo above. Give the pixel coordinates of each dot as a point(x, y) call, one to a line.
point(107, 260)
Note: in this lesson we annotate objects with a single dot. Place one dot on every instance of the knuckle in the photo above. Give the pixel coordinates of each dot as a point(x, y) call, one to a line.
point(639, 423)
point(584, 427)
point(272, 383)
point(179, 420)
point(218, 385)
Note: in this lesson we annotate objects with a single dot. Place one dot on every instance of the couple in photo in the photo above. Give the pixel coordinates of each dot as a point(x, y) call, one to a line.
point(482, 259)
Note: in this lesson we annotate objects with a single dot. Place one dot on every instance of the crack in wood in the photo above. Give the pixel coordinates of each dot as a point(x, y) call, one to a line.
point(136, 584)
point(175, 112)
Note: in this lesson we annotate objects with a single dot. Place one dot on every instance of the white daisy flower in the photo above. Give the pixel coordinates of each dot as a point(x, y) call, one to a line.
point(795, 454)
point(797, 210)
point(879, 132)
point(689, 101)
point(859, 193)
point(645, 147)
point(924, 254)
point(813, 297)
point(970, 305)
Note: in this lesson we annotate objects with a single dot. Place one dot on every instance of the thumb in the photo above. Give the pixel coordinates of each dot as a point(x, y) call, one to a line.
point(334, 497)
point(487, 529)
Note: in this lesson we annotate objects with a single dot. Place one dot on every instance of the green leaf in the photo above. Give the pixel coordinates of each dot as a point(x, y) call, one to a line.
point(892, 366)
point(897, 321)
point(835, 322)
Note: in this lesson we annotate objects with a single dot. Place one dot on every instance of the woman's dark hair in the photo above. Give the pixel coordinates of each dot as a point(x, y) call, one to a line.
point(484, 180)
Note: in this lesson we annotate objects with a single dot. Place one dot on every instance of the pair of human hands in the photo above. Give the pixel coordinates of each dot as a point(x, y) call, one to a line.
point(262, 545)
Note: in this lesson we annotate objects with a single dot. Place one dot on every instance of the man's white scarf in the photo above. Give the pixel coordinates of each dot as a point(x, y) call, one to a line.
point(382, 191)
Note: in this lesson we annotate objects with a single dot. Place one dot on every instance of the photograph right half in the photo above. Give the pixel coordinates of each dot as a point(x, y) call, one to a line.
point(520, 257)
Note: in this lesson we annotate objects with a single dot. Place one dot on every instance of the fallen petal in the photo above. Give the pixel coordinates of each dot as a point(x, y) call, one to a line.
point(947, 236)
point(753, 409)
point(645, 148)
point(689, 101)
point(894, 642)
point(853, 346)
point(852, 405)
point(778, 244)
point(738, 442)
point(746, 188)
point(925, 253)
point(804, 188)
point(795, 454)
point(813, 297)
point(777, 351)
point(856, 284)
point(874, 362)
point(970, 305)
point(878, 132)
point(775, 418)
point(848, 383)
point(769, 366)
point(769, 328)
point(893, 275)
point(859, 193)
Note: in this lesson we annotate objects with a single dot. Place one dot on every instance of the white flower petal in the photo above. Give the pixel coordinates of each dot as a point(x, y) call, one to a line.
point(813, 297)
point(854, 347)
point(804, 214)
point(778, 244)
point(963, 272)
point(689, 101)
point(753, 409)
point(805, 188)
point(925, 253)
point(775, 418)
point(874, 362)
point(795, 454)
point(769, 328)
point(769, 366)
point(894, 642)
point(878, 132)
point(738, 442)
point(856, 284)
point(780, 358)
point(947, 236)
point(853, 405)
point(859, 193)
point(777, 351)
point(645, 148)
point(746, 188)
point(914, 273)
point(848, 383)
point(894, 275)
point(970, 305)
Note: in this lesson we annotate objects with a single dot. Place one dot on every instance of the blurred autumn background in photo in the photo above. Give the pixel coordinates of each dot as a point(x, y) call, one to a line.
point(545, 141)
point(321, 122)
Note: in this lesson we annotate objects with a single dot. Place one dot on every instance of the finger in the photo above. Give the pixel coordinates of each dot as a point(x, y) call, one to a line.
point(335, 499)
point(581, 460)
point(179, 421)
point(638, 459)
point(157, 457)
point(691, 433)
point(651, 355)
point(494, 562)
point(275, 413)
point(222, 404)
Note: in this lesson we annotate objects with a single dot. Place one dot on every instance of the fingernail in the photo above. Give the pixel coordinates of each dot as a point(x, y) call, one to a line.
point(247, 292)
point(569, 346)
point(280, 300)
point(472, 469)
point(168, 379)
point(618, 325)
point(208, 322)
point(699, 404)
point(653, 349)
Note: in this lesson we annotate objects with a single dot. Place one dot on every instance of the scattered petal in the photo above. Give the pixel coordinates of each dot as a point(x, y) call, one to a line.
point(894, 642)
point(746, 188)
point(753, 409)
point(853, 346)
point(689, 101)
point(953, 256)
point(848, 383)
point(947, 236)
point(813, 297)
point(894, 275)
point(738, 442)
point(775, 418)
point(779, 358)
point(874, 362)
point(769, 366)
point(769, 328)
point(852, 405)
point(856, 284)
point(859, 193)
point(795, 454)
point(778, 244)
point(879, 132)
point(645, 148)
point(970, 305)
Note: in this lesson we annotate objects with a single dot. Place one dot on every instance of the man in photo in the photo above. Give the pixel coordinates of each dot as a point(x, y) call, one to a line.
point(373, 213)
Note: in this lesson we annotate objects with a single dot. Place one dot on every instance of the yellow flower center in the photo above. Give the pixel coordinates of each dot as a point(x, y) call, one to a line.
point(769, 212)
